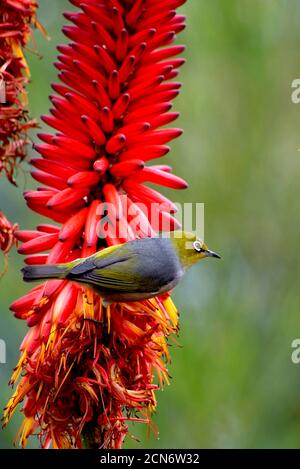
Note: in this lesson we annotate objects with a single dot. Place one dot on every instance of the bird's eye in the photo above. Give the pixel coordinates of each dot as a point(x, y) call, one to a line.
point(197, 246)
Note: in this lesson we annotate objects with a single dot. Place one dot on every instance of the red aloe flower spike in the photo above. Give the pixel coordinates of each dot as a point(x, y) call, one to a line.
point(85, 368)
point(16, 18)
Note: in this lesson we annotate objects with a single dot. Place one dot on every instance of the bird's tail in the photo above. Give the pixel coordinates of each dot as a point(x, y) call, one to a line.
point(32, 273)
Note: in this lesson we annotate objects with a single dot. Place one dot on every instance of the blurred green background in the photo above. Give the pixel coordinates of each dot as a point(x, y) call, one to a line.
point(234, 384)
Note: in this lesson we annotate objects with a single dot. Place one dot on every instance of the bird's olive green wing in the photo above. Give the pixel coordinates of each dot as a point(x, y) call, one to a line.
point(101, 259)
point(110, 278)
point(113, 268)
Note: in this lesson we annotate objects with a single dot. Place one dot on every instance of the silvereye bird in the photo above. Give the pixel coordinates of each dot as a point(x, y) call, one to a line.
point(132, 271)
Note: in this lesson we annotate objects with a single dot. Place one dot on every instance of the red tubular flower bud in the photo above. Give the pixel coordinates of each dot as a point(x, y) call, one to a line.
point(71, 80)
point(96, 12)
point(114, 85)
point(162, 167)
point(30, 341)
point(49, 179)
point(80, 50)
point(71, 32)
point(61, 251)
point(54, 215)
point(47, 228)
point(52, 287)
point(127, 68)
point(117, 12)
point(47, 138)
point(151, 111)
point(108, 232)
point(64, 304)
point(146, 153)
point(171, 74)
point(83, 107)
point(78, 148)
point(61, 126)
point(177, 24)
point(164, 119)
point(175, 63)
point(133, 130)
point(124, 230)
point(116, 143)
point(42, 243)
point(162, 220)
point(83, 179)
point(53, 167)
point(170, 86)
point(103, 36)
point(127, 168)
point(63, 106)
point(163, 178)
point(24, 236)
point(101, 165)
point(93, 218)
point(158, 97)
point(163, 54)
point(73, 227)
point(139, 192)
point(159, 137)
point(121, 105)
point(53, 152)
point(67, 198)
point(122, 45)
point(157, 19)
point(36, 259)
point(111, 196)
point(94, 130)
point(25, 303)
point(135, 13)
point(135, 211)
point(107, 120)
point(162, 39)
point(167, 5)
point(39, 197)
point(152, 73)
point(138, 51)
point(106, 60)
point(141, 36)
point(76, 253)
point(101, 96)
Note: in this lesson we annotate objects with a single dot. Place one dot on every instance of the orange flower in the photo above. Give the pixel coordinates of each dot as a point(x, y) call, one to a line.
point(7, 238)
point(16, 16)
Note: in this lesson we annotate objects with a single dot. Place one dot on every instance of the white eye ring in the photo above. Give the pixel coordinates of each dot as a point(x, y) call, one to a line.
point(197, 246)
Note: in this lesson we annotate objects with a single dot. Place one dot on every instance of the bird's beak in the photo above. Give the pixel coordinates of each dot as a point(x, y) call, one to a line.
point(209, 253)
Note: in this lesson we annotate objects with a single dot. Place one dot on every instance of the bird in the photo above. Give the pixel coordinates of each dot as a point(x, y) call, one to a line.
point(133, 271)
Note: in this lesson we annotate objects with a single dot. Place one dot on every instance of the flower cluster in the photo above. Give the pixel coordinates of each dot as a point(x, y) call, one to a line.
point(7, 237)
point(16, 16)
point(85, 368)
